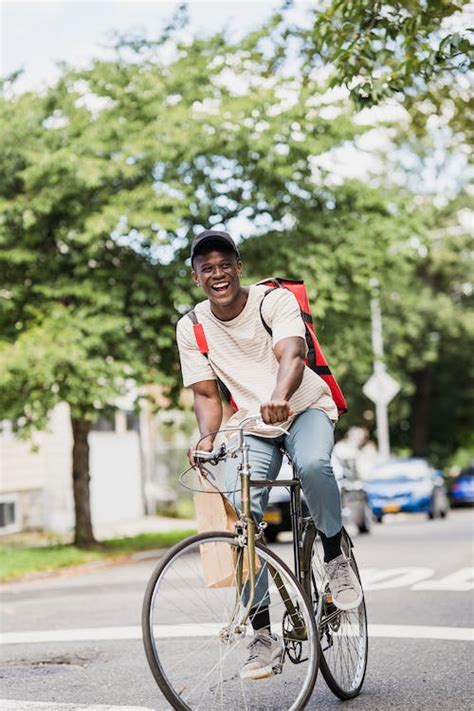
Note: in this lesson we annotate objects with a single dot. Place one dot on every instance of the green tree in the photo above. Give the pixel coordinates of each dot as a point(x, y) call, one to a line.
point(86, 303)
point(84, 312)
point(381, 49)
point(431, 306)
point(433, 297)
point(103, 180)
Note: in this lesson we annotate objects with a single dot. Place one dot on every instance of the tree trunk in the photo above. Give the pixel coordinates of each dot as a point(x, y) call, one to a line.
point(421, 412)
point(83, 534)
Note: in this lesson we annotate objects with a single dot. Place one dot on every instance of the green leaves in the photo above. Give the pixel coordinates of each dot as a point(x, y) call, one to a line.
point(105, 179)
point(63, 358)
point(380, 49)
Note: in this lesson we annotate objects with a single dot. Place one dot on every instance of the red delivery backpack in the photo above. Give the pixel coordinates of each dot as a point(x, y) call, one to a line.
point(315, 358)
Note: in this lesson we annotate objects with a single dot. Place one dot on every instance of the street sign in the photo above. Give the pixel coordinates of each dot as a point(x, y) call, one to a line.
point(381, 388)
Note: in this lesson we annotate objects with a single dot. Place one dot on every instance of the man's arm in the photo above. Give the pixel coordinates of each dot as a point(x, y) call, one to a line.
point(290, 353)
point(208, 410)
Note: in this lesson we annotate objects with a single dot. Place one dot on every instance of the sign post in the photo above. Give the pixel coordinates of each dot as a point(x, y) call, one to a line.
point(381, 388)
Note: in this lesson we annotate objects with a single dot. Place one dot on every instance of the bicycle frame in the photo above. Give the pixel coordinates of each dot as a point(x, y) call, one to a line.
point(302, 529)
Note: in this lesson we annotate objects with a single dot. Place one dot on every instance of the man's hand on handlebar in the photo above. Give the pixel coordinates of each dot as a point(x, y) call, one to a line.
point(275, 411)
point(271, 413)
point(205, 446)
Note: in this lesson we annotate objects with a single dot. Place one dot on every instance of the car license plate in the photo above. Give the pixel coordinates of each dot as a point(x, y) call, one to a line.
point(272, 517)
point(391, 508)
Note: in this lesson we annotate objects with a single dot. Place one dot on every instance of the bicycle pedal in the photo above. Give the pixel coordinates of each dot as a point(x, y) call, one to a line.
point(277, 669)
point(297, 635)
point(328, 598)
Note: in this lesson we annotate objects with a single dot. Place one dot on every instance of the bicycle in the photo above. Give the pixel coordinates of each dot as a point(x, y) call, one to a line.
point(195, 635)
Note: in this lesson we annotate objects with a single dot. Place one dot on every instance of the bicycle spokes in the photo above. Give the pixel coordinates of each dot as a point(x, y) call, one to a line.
point(197, 645)
point(342, 633)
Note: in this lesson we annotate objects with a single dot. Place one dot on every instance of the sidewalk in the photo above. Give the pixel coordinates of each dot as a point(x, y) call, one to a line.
point(137, 539)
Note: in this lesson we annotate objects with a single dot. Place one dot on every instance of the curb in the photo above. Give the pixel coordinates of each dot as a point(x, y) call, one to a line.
point(84, 568)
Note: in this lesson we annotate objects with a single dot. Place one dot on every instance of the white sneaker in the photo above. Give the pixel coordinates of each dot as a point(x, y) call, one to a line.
point(345, 588)
point(265, 658)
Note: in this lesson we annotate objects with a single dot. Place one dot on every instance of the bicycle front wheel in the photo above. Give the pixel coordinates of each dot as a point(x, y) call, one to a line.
point(193, 641)
point(342, 633)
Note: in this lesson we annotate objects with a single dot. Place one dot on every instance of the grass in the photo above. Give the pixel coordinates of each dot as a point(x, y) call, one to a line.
point(18, 560)
point(183, 508)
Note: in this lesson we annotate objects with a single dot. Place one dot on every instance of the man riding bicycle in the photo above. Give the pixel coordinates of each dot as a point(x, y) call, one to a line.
point(265, 373)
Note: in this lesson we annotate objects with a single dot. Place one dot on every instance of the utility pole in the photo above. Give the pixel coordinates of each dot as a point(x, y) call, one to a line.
point(381, 407)
point(381, 388)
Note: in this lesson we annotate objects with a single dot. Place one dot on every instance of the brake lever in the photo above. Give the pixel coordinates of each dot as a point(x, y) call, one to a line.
point(210, 457)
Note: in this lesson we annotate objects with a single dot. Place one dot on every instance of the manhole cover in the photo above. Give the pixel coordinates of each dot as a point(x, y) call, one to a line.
point(41, 667)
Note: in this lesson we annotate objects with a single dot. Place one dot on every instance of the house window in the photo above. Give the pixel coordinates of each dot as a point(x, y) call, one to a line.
point(133, 421)
point(119, 422)
point(8, 428)
point(105, 423)
point(9, 514)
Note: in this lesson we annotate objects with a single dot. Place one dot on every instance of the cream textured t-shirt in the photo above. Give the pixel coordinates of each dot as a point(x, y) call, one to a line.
point(241, 355)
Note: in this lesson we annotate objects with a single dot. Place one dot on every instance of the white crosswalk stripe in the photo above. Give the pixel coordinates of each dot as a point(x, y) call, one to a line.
point(380, 579)
point(416, 578)
point(460, 581)
point(18, 705)
point(101, 634)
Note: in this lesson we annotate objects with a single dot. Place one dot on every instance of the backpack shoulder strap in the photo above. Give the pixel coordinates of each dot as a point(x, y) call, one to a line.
point(201, 342)
point(264, 323)
point(192, 315)
point(199, 334)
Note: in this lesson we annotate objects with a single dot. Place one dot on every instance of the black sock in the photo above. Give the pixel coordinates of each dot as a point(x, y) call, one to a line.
point(331, 545)
point(260, 618)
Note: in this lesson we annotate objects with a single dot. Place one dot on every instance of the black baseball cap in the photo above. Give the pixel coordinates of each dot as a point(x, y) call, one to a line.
point(212, 236)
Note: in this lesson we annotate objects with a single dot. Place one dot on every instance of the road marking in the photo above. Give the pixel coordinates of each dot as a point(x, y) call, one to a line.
point(101, 634)
point(460, 634)
point(416, 579)
point(97, 634)
point(18, 705)
point(460, 581)
point(379, 579)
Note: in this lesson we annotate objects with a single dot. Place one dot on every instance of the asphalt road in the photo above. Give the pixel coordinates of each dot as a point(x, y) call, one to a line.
point(73, 641)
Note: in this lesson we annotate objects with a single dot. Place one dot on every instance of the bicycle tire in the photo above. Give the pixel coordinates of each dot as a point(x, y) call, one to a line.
point(353, 689)
point(170, 565)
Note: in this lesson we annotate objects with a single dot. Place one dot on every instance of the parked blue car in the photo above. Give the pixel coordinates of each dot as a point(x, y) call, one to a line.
point(407, 485)
point(461, 490)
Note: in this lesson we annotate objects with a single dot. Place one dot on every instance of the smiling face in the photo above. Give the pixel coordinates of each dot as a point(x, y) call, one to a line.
point(218, 273)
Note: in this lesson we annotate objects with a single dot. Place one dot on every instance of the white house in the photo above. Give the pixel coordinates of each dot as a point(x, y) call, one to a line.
point(36, 479)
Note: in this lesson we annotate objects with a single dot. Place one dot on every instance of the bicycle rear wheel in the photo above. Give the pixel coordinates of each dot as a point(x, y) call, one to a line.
point(342, 633)
point(194, 647)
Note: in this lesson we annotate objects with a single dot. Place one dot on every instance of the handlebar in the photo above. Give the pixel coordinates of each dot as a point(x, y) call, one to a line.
point(213, 457)
point(217, 455)
point(225, 450)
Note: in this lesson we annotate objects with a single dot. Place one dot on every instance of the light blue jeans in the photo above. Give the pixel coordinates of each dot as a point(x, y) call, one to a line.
point(309, 444)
